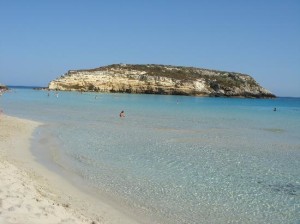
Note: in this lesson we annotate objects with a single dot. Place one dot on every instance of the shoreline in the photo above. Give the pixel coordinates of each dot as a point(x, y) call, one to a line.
point(31, 193)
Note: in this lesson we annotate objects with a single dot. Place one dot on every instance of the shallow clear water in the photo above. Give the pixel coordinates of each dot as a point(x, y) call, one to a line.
point(176, 159)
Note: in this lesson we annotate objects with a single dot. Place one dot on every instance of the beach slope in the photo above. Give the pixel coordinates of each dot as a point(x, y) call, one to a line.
point(29, 193)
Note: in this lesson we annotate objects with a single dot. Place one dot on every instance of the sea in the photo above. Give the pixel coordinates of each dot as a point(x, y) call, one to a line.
point(172, 159)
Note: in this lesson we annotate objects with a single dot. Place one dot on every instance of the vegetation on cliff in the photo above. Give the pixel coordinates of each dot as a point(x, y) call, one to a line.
point(161, 79)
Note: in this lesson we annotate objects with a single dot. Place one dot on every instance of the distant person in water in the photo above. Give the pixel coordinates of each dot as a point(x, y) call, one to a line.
point(122, 114)
point(274, 109)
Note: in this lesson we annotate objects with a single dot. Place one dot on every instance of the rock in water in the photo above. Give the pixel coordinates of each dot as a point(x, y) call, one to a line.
point(161, 79)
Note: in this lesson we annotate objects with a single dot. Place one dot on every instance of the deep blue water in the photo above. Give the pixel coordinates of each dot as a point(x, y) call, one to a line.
point(176, 159)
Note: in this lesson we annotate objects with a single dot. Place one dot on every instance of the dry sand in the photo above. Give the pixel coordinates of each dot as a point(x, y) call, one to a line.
point(30, 193)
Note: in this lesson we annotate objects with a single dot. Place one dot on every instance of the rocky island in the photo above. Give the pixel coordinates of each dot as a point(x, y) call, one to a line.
point(161, 79)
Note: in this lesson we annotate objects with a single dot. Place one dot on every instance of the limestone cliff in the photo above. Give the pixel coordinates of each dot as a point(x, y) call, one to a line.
point(160, 79)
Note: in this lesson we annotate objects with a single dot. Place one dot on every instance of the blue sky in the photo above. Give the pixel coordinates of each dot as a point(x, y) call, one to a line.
point(41, 40)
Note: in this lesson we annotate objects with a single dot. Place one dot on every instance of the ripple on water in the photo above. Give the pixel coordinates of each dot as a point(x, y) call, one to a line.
point(274, 130)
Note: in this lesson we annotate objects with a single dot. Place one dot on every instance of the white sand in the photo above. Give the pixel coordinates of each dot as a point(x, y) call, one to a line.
point(30, 193)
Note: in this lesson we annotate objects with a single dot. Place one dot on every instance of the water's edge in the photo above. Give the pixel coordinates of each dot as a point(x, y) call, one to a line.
point(45, 148)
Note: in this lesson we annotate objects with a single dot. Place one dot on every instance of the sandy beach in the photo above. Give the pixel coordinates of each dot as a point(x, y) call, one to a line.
point(30, 193)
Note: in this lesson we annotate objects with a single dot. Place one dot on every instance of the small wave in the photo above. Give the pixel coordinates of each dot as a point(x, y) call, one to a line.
point(274, 130)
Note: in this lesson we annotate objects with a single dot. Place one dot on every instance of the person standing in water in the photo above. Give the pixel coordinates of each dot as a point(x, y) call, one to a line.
point(122, 114)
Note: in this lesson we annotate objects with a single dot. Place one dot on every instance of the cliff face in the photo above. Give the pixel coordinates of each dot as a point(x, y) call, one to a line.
point(161, 79)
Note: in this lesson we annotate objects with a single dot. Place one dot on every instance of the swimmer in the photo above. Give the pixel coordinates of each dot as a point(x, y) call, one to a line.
point(122, 114)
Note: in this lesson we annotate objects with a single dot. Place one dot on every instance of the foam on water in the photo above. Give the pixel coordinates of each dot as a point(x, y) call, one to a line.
point(177, 159)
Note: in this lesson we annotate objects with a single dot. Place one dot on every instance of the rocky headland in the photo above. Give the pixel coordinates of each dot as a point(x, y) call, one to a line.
point(161, 79)
point(3, 88)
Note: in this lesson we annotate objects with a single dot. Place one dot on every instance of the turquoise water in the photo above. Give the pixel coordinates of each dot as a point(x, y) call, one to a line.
point(175, 159)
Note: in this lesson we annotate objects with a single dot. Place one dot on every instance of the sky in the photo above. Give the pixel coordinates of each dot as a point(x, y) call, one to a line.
point(41, 40)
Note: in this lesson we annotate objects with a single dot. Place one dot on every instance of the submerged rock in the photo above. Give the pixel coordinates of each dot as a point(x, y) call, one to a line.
point(161, 79)
point(290, 189)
